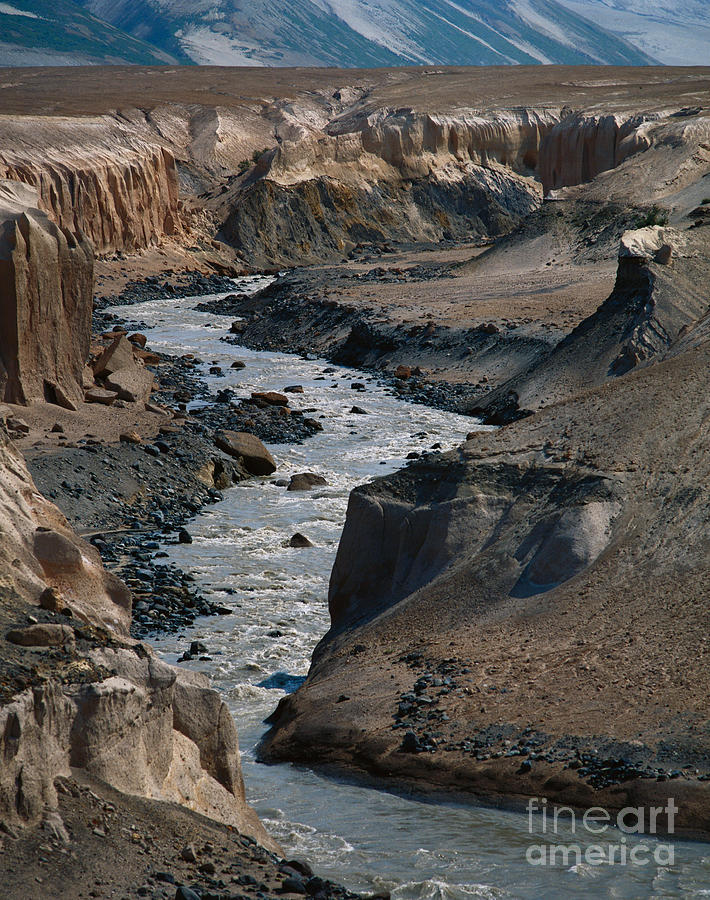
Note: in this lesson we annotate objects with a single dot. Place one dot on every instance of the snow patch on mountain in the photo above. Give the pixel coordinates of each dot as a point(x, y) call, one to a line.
point(369, 33)
point(676, 33)
point(381, 22)
point(13, 11)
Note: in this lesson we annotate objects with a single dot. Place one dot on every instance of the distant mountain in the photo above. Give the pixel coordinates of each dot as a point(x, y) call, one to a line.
point(61, 33)
point(370, 32)
point(676, 32)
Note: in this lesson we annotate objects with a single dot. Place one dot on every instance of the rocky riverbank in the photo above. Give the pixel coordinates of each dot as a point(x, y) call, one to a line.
point(127, 497)
point(542, 629)
point(131, 496)
point(524, 616)
point(103, 843)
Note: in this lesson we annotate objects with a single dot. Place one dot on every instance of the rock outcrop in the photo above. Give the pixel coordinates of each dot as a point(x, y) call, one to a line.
point(139, 725)
point(94, 699)
point(417, 524)
point(659, 295)
point(43, 563)
point(582, 146)
point(322, 219)
point(95, 178)
point(537, 594)
point(46, 293)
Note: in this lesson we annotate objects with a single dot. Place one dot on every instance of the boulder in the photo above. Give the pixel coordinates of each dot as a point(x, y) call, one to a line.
point(87, 378)
point(651, 243)
point(156, 409)
point(147, 357)
point(43, 635)
point(99, 395)
point(240, 444)
point(138, 339)
point(271, 397)
point(132, 383)
point(118, 355)
point(46, 295)
point(305, 481)
point(16, 424)
point(403, 372)
point(299, 541)
point(57, 551)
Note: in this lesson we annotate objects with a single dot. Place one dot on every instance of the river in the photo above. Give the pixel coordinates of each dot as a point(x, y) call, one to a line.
point(367, 839)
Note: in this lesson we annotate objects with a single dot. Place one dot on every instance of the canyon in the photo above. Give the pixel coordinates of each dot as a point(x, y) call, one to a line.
point(536, 240)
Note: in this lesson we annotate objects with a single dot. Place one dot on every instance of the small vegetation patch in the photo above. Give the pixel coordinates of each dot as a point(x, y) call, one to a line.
point(655, 216)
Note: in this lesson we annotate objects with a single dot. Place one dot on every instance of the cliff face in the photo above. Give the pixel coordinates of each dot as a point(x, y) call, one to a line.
point(323, 218)
point(46, 293)
point(136, 723)
point(582, 146)
point(659, 296)
point(43, 561)
point(405, 175)
point(409, 169)
point(87, 696)
point(432, 518)
point(392, 175)
point(413, 142)
point(95, 177)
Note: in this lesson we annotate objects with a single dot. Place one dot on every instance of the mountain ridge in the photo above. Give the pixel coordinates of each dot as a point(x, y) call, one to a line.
point(61, 32)
point(371, 33)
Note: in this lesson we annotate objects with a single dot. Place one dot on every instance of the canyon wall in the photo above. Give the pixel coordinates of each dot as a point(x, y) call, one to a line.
point(404, 175)
point(391, 175)
point(582, 146)
point(86, 696)
point(46, 294)
point(95, 177)
point(323, 218)
point(659, 296)
point(413, 142)
point(412, 173)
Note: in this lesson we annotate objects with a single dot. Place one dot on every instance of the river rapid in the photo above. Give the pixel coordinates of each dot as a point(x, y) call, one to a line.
point(367, 839)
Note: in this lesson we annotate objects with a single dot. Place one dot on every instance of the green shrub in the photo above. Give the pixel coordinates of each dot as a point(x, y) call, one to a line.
point(655, 216)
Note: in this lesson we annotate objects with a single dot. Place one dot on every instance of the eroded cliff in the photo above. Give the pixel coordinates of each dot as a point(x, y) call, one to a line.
point(78, 694)
point(319, 164)
point(46, 295)
point(659, 295)
point(95, 177)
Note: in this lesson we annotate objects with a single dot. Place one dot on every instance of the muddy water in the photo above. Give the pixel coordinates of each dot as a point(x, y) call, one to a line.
point(367, 839)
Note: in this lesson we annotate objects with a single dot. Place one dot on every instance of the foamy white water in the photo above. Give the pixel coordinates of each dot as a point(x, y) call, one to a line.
point(364, 838)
